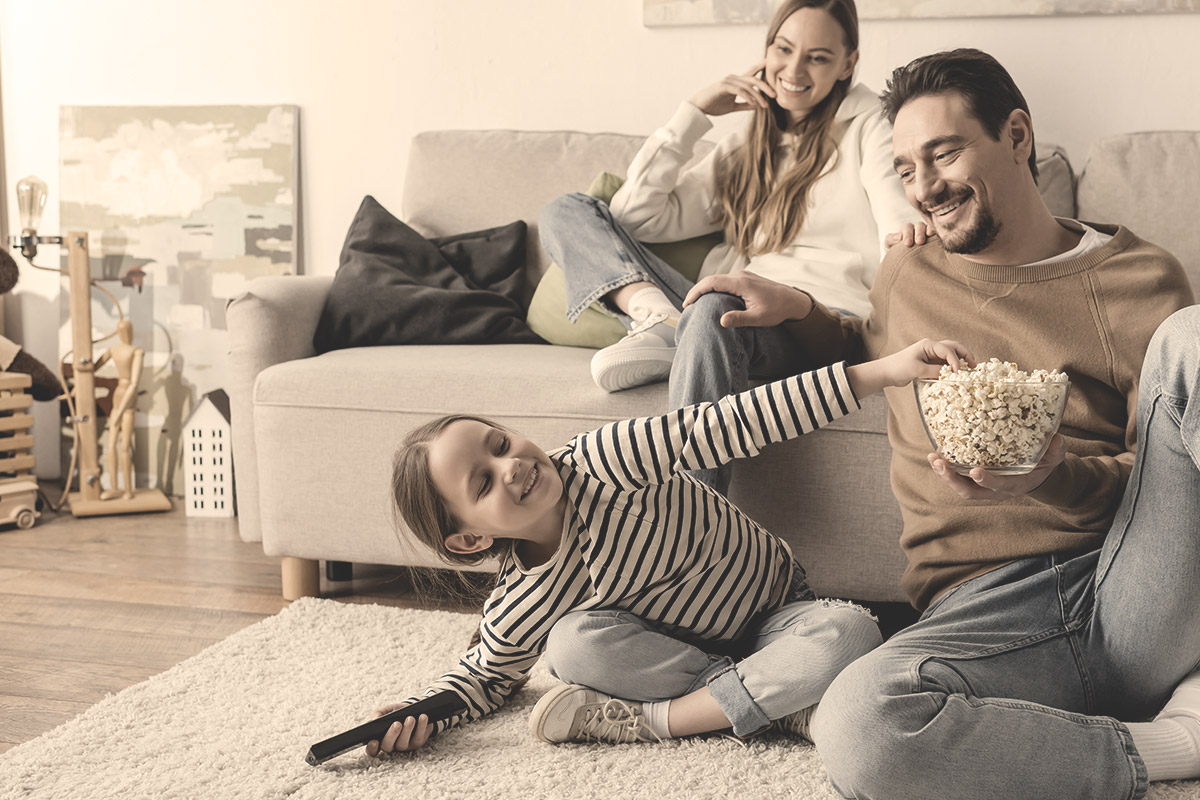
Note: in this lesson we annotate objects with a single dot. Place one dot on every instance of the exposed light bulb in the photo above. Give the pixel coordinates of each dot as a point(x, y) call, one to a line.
point(31, 200)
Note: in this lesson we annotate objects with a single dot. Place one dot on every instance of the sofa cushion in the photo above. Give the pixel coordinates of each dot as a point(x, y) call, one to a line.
point(395, 287)
point(1056, 180)
point(1137, 180)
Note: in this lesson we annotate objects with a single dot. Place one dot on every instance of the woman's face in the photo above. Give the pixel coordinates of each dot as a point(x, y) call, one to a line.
point(806, 58)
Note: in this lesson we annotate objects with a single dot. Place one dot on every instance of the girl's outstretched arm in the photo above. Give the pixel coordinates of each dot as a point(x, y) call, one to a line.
point(649, 450)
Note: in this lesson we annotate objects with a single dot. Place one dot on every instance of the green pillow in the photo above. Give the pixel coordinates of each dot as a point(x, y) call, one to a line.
point(596, 326)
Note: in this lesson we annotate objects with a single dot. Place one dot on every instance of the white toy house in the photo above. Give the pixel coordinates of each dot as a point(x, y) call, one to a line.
point(208, 458)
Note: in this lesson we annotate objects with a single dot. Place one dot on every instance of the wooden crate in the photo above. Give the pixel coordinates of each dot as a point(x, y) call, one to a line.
point(16, 425)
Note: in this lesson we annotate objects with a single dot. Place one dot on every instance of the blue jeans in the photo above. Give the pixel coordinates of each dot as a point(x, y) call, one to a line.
point(1013, 684)
point(597, 256)
point(789, 659)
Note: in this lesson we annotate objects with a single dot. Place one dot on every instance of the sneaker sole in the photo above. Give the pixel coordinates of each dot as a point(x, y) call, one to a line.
point(537, 717)
point(615, 372)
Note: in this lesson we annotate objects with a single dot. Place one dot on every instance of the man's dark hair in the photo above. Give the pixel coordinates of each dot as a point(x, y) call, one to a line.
point(988, 90)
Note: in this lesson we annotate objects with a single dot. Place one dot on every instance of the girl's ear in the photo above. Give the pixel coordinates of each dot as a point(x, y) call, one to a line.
point(465, 542)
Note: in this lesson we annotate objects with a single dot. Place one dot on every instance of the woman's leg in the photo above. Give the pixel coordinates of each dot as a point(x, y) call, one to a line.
point(598, 256)
point(602, 262)
point(712, 362)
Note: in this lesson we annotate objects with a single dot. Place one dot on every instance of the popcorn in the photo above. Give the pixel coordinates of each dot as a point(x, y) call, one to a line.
point(994, 415)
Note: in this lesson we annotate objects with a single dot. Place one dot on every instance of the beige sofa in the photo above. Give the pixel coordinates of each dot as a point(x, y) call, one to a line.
point(314, 435)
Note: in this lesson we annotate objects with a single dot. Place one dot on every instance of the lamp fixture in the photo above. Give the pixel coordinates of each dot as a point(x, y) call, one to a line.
point(31, 201)
point(88, 501)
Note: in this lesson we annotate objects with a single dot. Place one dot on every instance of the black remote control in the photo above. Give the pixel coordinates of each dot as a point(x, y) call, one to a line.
point(443, 705)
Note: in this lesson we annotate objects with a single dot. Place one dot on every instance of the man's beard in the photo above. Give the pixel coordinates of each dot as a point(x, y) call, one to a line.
point(969, 239)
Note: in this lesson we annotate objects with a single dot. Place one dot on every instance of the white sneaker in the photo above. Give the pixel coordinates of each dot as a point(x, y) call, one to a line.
point(798, 723)
point(643, 356)
point(578, 714)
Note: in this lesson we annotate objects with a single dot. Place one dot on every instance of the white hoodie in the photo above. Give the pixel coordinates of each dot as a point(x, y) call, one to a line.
point(851, 208)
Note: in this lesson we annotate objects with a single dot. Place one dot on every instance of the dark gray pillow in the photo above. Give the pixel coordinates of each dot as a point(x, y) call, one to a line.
point(394, 286)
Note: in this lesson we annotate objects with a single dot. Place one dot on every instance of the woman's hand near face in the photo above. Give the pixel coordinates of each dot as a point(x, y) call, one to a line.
point(722, 96)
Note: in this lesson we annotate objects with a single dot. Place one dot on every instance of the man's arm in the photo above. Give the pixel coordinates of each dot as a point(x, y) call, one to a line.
point(821, 335)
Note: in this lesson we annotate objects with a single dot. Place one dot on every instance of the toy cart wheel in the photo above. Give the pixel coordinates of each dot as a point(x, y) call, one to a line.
point(25, 519)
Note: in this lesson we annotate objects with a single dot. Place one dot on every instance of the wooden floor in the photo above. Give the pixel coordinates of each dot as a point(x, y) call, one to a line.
point(91, 606)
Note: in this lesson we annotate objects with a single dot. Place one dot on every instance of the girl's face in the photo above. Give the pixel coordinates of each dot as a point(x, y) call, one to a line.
point(806, 58)
point(497, 485)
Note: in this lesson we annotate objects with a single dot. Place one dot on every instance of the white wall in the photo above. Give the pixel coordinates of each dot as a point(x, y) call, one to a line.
point(368, 74)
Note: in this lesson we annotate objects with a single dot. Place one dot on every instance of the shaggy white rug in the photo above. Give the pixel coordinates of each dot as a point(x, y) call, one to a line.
point(236, 721)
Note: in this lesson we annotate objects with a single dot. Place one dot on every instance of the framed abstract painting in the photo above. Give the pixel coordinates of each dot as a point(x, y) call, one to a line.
point(182, 206)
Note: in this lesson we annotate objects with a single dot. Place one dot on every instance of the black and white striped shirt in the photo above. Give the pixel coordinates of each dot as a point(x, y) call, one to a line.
point(643, 536)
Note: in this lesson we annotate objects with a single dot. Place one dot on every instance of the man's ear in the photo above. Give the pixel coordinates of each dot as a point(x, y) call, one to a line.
point(1020, 131)
point(465, 542)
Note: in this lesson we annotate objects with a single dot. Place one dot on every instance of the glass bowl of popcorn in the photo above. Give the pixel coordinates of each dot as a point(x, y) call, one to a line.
point(993, 416)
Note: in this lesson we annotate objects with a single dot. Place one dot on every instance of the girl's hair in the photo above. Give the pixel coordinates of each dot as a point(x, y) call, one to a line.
point(764, 211)
point(418, 503)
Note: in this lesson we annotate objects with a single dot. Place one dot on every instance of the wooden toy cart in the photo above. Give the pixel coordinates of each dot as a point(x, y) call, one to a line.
point(18, 487)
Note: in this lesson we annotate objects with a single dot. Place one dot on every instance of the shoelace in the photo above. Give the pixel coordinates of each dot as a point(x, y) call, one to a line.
point(614, 722)
point(799, 721)
point(650, 321)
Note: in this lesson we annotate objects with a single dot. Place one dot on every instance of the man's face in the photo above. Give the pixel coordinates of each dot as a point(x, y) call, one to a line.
point(953, 172)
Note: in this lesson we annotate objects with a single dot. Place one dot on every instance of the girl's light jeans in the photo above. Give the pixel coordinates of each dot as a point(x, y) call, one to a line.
point(790, 659)
point(1016, 684)
point(597, 255)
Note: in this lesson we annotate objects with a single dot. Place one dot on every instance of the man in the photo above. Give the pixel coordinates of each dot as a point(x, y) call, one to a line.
point(1055, 603)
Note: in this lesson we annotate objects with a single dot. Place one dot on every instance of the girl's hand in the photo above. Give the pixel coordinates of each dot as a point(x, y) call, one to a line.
point(923, 359)
point(401, 736)
point(722, 97)
point(910, 235)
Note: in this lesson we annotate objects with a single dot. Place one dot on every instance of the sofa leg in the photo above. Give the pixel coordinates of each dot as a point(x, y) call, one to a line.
point(301, 578)
point(339, 571)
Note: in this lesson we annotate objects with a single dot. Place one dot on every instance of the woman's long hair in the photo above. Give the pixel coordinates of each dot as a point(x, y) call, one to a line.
point(763, 210)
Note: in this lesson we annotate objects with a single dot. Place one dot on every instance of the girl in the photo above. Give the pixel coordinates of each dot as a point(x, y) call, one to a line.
point(804, 195)
point(635, 580)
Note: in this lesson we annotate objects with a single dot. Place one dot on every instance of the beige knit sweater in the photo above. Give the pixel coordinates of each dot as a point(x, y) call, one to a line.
point(1091, 317)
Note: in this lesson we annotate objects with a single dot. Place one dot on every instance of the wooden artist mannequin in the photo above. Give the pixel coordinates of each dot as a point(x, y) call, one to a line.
point(128, 360)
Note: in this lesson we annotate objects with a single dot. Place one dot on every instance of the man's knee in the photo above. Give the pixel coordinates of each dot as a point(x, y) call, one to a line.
point(1175, 346)
point(858, 731)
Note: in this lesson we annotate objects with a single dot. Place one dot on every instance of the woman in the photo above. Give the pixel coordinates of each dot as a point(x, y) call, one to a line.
point(804, 195)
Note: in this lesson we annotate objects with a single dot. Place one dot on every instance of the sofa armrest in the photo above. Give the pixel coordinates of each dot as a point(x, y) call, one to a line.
point(271, 322)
